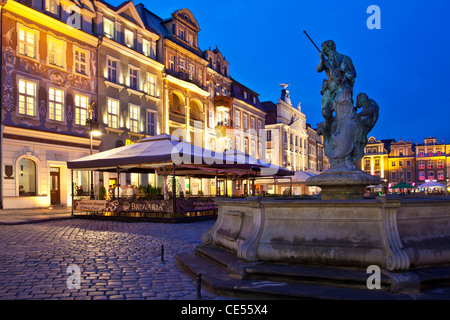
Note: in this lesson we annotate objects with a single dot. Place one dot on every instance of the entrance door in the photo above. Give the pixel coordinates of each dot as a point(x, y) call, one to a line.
point(55, 192)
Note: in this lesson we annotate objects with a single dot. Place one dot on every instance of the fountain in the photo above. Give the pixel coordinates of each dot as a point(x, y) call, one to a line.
point(324, 248)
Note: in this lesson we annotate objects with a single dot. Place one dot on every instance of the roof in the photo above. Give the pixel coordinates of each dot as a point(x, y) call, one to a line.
point(237, 91)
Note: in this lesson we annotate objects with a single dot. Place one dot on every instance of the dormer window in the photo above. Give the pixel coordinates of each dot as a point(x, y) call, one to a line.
point(51, 6)
point(129, 38)
point(149, 48)
point(181, 34)
point(108, 28)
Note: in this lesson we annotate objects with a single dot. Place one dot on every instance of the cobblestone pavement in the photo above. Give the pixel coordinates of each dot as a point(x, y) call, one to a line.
point(117, 260)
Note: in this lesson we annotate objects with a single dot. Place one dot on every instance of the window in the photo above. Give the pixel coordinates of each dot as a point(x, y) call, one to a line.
point(27, 177)
point(113, 113)
point(182, 65)
point(134, 118)
point(246, 145)
point(108, 28)
point(27, 41)
point(431, 175)
point(134, 78)
point(421, 164)
point(269, 135)
point(408, 163)
point(81, 61)
point(211, 118)
point(393, 163)
point(113, 65)
point(171, 63)
point(245, 94)
point(151, 84)
point(400, 163)
point(253, 148)
point(237, 115)
point(368, 164)
point(181, 34)
point(81, 109)
point(129, 38)
point(393, 175)
point(377, 162)
point(252, 123)
point(439, 153)
point(259, 126)
point(191, 40)
point(440, 175)
point(422, 175)
point(51, 6)
point(151, 123)
point(55, 53)
point(408, 175)
point(55, 104)
point(421, 154)
point(245, 121)
point(191, 72)
point(148, 48)
point(440, 164)
point(430, 153)
point(27, 97)
point(430, 165)
point(238, 143)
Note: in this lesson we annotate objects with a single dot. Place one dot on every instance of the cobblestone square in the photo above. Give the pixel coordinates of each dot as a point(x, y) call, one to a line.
point(117, 260)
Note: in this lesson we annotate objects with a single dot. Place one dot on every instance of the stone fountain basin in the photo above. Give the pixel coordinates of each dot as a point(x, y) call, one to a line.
point(392, 233)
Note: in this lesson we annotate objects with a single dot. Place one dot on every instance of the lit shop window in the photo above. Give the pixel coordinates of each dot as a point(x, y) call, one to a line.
point(27, 177)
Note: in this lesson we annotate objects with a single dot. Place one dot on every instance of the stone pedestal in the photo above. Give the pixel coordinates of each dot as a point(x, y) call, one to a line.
point(337, 184)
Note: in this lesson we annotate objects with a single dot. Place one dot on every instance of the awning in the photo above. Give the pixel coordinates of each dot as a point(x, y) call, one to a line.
point(431, 184)
point(155, 153)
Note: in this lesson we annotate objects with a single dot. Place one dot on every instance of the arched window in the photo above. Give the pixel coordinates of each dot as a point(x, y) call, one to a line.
point(27, 177)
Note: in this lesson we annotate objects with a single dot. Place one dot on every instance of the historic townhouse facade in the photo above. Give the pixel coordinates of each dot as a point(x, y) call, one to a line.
point(431, 161)
point(286, 134)
point(130, 82)
point(402, 163)
point(49, 72)
point(219, 111)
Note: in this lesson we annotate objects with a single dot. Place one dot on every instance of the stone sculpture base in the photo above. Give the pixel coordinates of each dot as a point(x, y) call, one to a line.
point(397, 235)
point(337, 184)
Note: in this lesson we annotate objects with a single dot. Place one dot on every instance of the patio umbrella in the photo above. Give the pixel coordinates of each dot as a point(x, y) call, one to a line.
point(402, 185)
point(431, 184)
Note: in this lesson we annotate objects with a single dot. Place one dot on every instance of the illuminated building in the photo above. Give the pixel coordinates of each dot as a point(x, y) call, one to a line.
point(130, 82)
point(375, 160)
point(431, 158)
point(402, 163)
point(49, 72)
point(287, 136)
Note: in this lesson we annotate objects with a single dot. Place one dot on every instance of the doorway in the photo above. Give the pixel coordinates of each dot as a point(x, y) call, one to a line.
point(55, 186)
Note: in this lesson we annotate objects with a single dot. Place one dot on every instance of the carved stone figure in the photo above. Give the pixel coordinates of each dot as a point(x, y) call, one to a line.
point(344, 130)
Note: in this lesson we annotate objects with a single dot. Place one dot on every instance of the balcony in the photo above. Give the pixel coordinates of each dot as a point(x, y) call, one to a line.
point(185, 76)
point(223, 103)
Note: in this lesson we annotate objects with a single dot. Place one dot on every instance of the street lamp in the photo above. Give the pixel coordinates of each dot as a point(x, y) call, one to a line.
point(93, 133)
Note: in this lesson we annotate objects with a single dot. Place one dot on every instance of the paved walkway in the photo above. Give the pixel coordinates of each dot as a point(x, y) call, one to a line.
point(116, 260)
point(22, 216)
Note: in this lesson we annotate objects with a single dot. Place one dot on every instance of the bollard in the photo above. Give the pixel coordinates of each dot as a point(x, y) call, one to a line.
point(162, 253)
point(199, 286)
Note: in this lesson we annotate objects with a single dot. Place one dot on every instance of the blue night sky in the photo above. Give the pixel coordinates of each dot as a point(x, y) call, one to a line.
point(403, 66)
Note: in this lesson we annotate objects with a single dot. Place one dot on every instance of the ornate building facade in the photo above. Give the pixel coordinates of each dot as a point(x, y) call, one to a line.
point(49, 85)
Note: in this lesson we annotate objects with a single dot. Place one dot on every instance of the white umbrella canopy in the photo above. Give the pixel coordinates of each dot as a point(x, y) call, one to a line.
point(165, 150)
point(431, 184)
